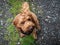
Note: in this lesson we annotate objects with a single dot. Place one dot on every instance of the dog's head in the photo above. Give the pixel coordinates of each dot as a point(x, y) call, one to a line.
point(24, 23)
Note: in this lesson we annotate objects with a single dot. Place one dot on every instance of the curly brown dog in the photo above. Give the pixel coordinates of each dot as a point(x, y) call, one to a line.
point(26, 22)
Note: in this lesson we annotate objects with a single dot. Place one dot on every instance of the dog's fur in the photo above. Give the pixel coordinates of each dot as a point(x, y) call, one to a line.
point(26, 20)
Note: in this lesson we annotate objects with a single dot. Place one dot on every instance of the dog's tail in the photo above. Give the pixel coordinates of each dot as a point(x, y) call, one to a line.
point(25, 6)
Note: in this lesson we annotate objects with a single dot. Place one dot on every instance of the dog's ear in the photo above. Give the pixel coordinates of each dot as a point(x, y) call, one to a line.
point(35, 19)
point(15, 22)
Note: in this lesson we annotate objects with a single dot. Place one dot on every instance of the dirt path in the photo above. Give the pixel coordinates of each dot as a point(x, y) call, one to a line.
point(48, 13)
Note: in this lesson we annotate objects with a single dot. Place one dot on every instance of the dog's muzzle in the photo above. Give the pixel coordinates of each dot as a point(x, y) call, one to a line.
point(29, 32)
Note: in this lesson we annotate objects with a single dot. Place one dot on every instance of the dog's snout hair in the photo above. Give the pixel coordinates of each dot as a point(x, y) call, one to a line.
point(26, 26)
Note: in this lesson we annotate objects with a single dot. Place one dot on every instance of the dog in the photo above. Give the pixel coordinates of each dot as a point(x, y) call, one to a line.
point(26, 22)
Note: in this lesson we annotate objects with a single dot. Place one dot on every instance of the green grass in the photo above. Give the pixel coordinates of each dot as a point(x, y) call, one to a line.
point(16, 5)
point(14, 36)
point(28, 40)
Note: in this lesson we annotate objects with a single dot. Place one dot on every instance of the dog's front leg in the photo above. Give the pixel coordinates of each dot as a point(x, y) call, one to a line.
point(34, 34)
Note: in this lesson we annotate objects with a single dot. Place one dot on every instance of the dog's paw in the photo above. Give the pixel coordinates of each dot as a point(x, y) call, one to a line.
point(22, 35)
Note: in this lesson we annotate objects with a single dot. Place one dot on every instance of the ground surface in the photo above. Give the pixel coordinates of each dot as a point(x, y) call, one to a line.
point(47, 11)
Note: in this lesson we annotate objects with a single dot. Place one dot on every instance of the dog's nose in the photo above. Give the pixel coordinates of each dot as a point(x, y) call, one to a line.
point(31, 28)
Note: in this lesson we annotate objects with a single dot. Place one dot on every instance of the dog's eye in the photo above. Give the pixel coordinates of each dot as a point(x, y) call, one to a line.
point(29, 19)
point(22, 22)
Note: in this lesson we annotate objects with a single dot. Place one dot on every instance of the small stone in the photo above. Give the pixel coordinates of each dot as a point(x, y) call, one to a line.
point(9, 34)
point(5, 15)
point(40, 6)
point(48, 11)
point(57, 14)
point(0, 14)
point(38, 11)
point(49, 21)
point(1, 22)
point(46, 19)
point(18, 42)
point(59, 40)
point(48, 16)
point(33, 8)
point(42, 37)
point(1, 33)
point(32, 4)
point(4, 0)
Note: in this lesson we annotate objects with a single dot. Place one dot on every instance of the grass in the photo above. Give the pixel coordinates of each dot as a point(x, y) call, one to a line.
point(13, 36)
